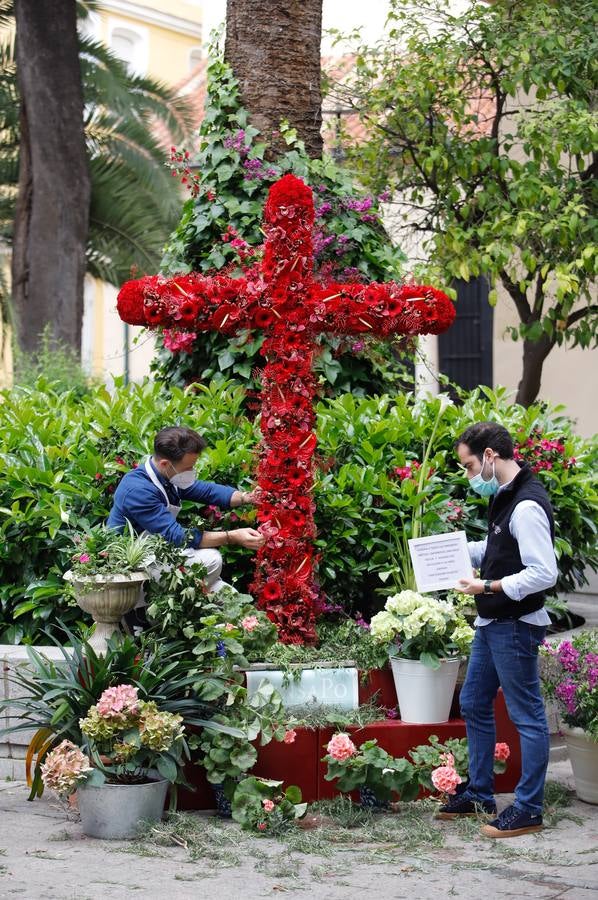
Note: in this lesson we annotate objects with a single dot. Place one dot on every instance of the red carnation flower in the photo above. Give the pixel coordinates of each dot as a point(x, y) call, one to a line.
point(129, 302)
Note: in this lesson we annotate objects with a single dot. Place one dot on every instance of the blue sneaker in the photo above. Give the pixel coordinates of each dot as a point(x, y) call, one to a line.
point(465, 804)
point(512, 822)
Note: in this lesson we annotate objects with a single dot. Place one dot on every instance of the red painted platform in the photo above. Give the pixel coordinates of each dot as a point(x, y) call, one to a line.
point(300, 763)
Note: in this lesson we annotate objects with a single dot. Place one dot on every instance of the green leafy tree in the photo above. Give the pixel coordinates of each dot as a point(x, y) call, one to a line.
point(483, 123)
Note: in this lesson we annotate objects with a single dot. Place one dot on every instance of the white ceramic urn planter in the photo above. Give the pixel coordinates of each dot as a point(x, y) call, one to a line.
point(107, 598)
point(583, 754)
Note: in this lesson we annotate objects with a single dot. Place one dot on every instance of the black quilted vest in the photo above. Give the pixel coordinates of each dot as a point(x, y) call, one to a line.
point(502, 551)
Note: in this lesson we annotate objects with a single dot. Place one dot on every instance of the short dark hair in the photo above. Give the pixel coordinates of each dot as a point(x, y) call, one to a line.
point(487, 434)
point(172, 443)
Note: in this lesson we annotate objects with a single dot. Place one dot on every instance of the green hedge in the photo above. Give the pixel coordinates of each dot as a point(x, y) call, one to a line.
point(64, 453)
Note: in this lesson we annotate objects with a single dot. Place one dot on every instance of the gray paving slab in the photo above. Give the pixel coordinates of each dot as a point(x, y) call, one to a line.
point(43, 854)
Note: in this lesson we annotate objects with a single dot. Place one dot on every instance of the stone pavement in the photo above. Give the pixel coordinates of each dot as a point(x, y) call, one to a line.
point(43, 855)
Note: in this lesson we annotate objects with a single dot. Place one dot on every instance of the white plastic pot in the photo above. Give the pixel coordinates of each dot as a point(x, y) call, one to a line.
point(425, 695)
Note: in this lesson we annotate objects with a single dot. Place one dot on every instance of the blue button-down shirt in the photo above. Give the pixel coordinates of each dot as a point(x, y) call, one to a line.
point(139, 500)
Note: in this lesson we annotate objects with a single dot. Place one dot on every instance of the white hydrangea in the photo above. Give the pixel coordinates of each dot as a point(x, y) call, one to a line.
point(463, 635)
point(384, 626)
point(404, 603)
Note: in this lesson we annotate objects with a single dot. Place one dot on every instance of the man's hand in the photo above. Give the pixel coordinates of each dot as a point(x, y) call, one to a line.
point(246, 537)
point(245, 498)
point(471, 586)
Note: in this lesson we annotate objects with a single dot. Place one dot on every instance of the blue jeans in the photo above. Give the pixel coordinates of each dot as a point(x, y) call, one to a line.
point(505, 654)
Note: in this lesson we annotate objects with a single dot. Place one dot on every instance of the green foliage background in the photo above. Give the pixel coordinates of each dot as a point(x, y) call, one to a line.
point(64, 454)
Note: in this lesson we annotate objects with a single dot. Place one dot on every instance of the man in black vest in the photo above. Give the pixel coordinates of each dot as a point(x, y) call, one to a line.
point(517, 565)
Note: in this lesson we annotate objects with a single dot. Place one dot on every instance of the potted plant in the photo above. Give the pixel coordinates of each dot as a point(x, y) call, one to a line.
point(569, 674)
point(378, 775)
point(260, 804)
point(372, 770)
point(228, 755)
point(132, 751)
point(107, 572)
point(443, 766)
point(55, 698)
point(426, 638)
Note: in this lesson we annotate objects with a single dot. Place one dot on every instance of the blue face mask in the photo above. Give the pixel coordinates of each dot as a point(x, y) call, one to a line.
point(484, 488)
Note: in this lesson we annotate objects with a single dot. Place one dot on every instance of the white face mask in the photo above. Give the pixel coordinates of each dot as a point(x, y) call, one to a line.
point(183, 479)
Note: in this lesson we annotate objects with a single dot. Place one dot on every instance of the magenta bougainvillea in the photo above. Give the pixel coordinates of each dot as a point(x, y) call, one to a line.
point(283, 297)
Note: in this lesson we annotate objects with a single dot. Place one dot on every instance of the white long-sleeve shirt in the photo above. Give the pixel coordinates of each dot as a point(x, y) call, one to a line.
point(529, 526)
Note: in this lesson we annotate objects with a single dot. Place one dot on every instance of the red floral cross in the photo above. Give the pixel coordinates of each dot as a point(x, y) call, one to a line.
point(282, 297)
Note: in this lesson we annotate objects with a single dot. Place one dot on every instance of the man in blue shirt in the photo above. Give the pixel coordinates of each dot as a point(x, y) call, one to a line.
point(517, 566)
point(151, 495)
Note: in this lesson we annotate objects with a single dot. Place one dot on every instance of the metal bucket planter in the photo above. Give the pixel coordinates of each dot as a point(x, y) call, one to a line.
point(107, 598)
point(115, 811)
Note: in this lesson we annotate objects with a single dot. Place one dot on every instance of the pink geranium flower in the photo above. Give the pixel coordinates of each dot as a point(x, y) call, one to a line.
point(84, 557)
point(502, 752)
point(250, 622)
point(289, 736)
point(341, 747)
point(446, 779)
point(268, 805)
point(447, 759)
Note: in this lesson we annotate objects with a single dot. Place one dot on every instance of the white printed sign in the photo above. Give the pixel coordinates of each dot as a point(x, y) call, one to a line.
point(439, 561)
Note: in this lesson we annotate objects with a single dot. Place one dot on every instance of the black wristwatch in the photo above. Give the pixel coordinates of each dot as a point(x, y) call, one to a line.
point(488, 587)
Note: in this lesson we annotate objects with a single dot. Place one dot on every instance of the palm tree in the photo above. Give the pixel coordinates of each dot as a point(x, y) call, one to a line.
point(134, 203)
point(274, 51)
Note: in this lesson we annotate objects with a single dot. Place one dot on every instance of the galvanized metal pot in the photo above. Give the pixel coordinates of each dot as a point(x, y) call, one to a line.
point(115, 811)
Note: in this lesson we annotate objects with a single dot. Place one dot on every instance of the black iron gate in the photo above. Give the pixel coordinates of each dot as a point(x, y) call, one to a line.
point(465, 350)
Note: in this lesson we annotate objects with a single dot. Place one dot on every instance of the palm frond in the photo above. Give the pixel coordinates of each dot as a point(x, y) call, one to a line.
point(128, 226)
point(7, 12)
point(129, 143)
point(108, 83)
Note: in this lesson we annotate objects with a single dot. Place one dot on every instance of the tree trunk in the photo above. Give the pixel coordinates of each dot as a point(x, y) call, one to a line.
point(52, 210)
point(274, 51)
point(534, 354)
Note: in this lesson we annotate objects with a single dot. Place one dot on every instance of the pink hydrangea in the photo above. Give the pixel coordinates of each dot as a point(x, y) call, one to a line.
point(446, 779)
point(64, 767)
point(249, 623)
point(502, 752)
point(118, 701)
point(341, 747)
point(289, 736)
point(268, 805)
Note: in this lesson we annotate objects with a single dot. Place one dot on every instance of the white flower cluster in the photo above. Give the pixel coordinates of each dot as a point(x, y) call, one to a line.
point(408, 614)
